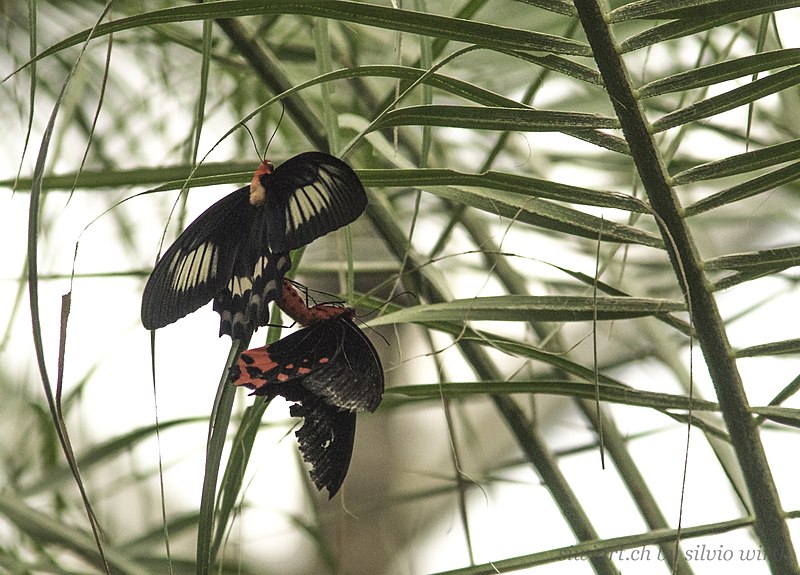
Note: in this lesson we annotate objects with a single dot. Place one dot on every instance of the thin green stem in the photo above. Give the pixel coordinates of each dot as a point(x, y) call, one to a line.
point(217, 434)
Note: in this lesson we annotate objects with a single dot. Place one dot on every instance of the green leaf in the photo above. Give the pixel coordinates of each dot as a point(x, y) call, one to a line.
point(45, 529)
point(176, 177)
point(716, 14)
point(729, 100)
point(557, 6)
point(103, 453)
point(233, 477)
point(522, 349)
point(748, 189)
point(454, 29)
point(696, 9)
point(722, 72)
point(772, 260)
point(532, 308)
point(172, 177)
point(671, 31)
point(753, 265)
point(563, 66)
point(611, 393)
point(785, 347)
point(493, 118)
point(740, 163)
point(581, 551)
point(784, 415)
point(548, 215)
point(576, 124)
point(500, 181)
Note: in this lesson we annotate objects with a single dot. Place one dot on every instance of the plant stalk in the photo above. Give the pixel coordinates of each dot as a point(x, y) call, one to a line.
point(770, 520)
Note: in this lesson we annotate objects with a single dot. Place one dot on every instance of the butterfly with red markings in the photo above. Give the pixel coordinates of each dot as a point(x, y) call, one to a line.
point(237, 251)
point(329, 370)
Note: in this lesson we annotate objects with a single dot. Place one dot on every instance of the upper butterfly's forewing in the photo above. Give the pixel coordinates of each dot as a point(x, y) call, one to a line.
point(200, 262)
point(309, 196)
point(220, 255)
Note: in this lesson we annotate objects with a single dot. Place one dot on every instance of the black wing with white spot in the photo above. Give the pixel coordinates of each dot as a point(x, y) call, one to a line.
point(327, 435)
point(222, 255)
point(256, 280)
point(200, 262)
point(309, 196)
point(325, 440)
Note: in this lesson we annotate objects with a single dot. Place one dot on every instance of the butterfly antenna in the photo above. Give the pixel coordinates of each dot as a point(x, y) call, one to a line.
point(301, 288)
point(372, 329)
point(382, 306)
point(275, 131)
point(252, 139)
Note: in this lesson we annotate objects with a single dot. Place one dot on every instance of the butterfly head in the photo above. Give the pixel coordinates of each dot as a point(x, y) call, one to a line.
point(257, 190)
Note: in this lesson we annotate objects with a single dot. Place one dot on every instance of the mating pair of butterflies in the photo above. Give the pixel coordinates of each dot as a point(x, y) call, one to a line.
point(237, 253)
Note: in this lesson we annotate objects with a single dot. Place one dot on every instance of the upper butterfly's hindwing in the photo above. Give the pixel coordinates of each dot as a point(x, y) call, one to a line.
point(309, 196)
point(256, 279)
point(326, 441)
point(199, 263)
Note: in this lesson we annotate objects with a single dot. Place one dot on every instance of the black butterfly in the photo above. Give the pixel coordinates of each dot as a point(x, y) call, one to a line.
point(237, 251)
point(329, 370)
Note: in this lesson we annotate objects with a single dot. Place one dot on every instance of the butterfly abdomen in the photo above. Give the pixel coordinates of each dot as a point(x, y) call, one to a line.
point(294, 305)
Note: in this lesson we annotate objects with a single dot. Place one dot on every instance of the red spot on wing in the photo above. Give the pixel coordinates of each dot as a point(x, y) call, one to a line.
point(252, 363)
point(282, 377)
